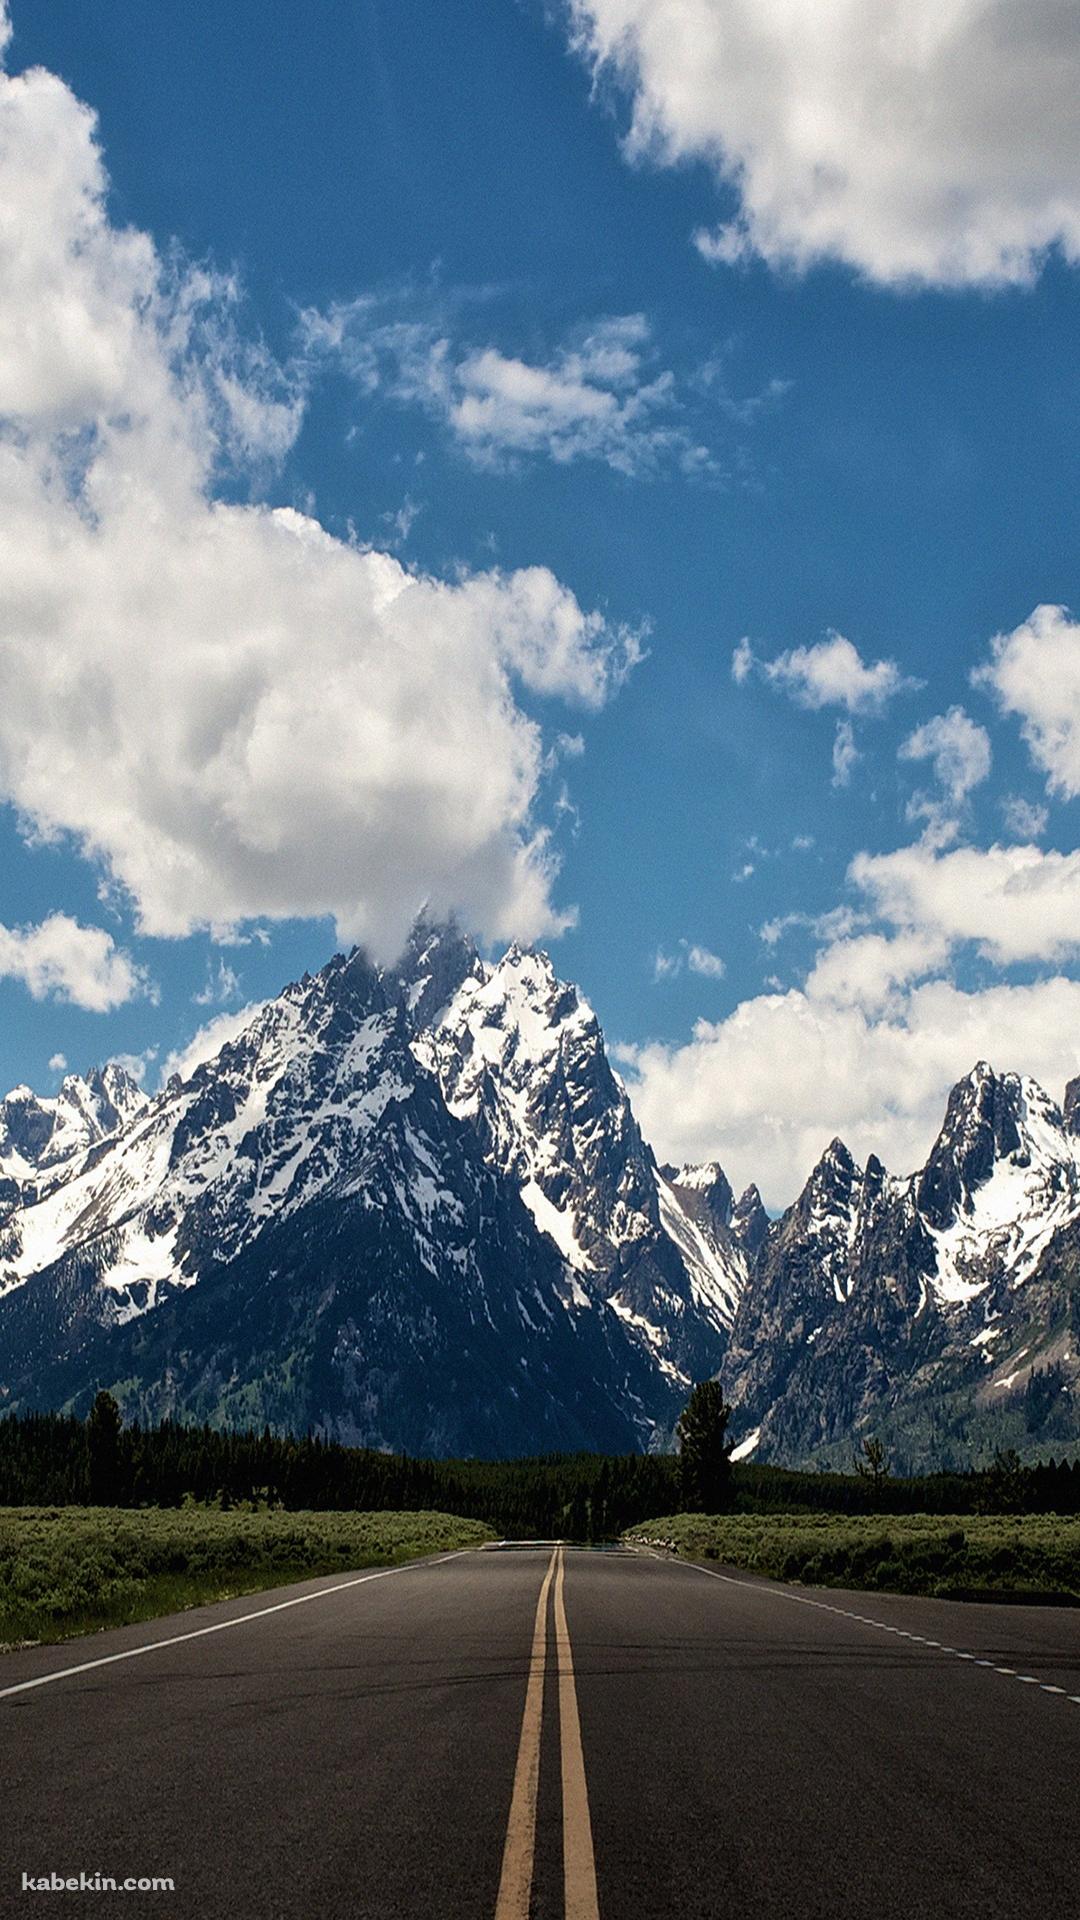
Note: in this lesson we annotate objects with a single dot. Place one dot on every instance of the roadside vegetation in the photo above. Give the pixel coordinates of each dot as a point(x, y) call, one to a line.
point(103, 1523)
point(67, 1570)
point(958, 1556)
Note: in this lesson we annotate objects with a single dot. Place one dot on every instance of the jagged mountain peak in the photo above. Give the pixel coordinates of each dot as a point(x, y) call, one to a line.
point(749, 1220)
point(438, 956)
point(837, 1153)
point(705, 1177)
point(458, 1124)
point(990, 1119)
point(525, 978)
point(832, 1186)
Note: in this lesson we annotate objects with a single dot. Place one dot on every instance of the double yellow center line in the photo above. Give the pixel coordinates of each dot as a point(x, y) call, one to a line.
point(579, 1868)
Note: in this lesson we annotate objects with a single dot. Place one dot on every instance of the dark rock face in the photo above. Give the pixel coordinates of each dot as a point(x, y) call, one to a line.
point(27, 1124)
point(750, 1222)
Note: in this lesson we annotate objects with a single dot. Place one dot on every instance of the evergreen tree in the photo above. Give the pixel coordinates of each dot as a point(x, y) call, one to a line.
point(704, 1450)
point(103, 1447)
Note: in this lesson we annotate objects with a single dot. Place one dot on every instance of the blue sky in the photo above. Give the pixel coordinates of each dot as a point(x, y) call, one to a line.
point(553, 311)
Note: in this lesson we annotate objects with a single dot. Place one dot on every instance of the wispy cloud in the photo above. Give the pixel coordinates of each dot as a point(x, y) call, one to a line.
point(1024, 819)
point(600, 394)
point(957, 748)
point(845, 754)
point(690, 957)
point(222, 985)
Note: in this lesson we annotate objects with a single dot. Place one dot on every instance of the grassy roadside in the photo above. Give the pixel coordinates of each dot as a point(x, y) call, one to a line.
point(1023, 1556)
point(68, 1570)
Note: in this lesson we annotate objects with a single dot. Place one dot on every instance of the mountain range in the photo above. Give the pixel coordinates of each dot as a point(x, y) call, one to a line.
point(411, 1208)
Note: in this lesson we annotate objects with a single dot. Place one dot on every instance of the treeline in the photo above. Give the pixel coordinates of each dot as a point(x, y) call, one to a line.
point(56, 1460)
point(51, 1459)
point(1050, 1486)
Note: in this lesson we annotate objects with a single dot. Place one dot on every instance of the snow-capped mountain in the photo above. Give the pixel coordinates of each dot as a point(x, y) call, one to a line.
point(939, 1310)
point(520, 1056)
point(411, 1207)
point(40, 1137)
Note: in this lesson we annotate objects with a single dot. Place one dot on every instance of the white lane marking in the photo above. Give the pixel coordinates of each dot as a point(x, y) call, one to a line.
point(881, 1626)
point(222, 1626)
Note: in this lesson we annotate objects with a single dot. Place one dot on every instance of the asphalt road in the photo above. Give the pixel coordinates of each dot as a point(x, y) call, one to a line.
point(650, 1741)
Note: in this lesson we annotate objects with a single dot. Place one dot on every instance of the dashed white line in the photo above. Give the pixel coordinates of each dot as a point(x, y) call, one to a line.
point(880, 1626)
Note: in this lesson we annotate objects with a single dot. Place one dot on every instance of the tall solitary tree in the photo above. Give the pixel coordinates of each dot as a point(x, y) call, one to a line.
point(704, 1450)
point(872, 1461)
point(103, 1449)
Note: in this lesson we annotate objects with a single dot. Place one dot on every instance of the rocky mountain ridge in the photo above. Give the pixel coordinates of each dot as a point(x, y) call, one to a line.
point(412, 1206)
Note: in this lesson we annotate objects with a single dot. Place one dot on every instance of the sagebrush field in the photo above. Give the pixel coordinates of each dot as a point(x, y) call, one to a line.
point(69, 1569)
point(957, 1556)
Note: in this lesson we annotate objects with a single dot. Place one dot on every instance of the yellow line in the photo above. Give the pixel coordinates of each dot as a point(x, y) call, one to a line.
point(515, 1884)
point(579, 1866)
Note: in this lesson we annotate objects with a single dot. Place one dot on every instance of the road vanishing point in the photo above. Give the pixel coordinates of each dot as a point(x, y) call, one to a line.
point(548, 1733)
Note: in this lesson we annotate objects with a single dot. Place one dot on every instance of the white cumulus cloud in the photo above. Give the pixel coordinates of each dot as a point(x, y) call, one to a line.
point(766, 1089)
point(932, 141)
point(831, 673)
point(233, 713)
point(1016, 903)
point(61, 960)
point(1034, 672)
